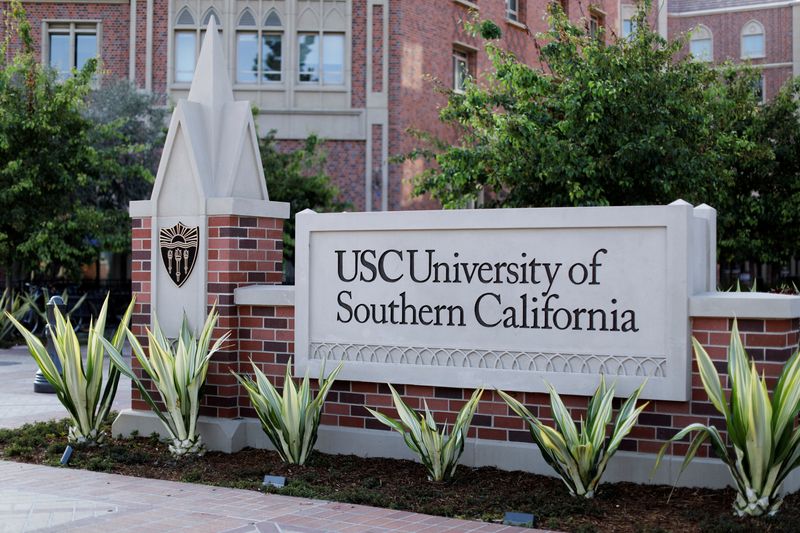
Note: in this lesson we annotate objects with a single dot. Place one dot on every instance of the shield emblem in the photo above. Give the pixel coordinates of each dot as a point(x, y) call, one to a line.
point(179, 246)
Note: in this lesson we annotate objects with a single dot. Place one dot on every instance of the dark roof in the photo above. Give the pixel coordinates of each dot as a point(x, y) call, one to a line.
point(683, 6)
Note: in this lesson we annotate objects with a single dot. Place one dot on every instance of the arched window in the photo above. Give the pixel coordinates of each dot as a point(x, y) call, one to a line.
point(321, 46)
point(753, 42)
point(258, 49)
point(701, 44)
point(185, 40)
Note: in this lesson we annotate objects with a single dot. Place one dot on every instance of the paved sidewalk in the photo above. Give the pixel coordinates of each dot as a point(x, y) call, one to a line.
point(20, 405)
point(47, 499)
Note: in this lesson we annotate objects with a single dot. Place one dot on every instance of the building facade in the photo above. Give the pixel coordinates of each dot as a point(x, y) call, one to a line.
point(358, 73)
point(764, 33)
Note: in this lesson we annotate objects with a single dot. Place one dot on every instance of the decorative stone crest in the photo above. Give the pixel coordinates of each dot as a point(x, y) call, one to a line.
point(179, 246)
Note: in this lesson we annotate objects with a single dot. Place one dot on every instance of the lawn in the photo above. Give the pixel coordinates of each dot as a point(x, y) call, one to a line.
point(475, 494)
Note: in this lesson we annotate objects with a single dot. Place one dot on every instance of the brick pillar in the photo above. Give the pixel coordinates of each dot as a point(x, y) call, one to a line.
point(141, 265)
point(241, 251)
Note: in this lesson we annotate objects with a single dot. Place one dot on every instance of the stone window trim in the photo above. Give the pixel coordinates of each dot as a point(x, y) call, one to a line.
point(753, 29)
point(469, 5)
point(72, 27)
point(517, 14)
point(700, 34)
point(185, 22)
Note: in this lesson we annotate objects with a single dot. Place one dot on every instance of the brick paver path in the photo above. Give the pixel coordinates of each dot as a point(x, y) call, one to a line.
point(42, 498)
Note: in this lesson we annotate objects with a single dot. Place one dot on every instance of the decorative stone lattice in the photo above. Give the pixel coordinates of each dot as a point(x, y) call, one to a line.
point(610, 365)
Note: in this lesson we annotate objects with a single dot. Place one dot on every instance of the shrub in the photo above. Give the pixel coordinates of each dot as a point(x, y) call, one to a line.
point(79, 386)
point(438, 452)
point(580, 458)
point(16, 307)
point(291, 420)
point(178, 370)
point(766, 443)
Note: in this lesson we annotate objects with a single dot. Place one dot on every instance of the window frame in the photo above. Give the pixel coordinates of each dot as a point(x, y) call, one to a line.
point(745, 33)
point(460, 55)
point(705, 34)
point(72, 28)
point(515, 13)
point(199, 31)
point(320, 35)
point(261, 30)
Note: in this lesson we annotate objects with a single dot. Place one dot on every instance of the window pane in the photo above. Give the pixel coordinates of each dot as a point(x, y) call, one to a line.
point(308, 58)
point(753, 45)
point(184, 55)
point(333, 59)
point(701, 49)
point(628, 26)
point(85, 48)
point(460, 72)
point(511, 8)
point(246, 57)
point(271, 56)
point(59, 54)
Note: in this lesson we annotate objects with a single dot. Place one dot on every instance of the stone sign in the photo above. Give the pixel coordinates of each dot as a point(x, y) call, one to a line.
point(504, 298)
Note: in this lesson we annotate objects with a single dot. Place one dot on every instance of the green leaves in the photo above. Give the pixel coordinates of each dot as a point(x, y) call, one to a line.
point(438, 453)
point(79, 385)
point(290, 420)
point(766, 444)
point(178, 370)
point(580, 458)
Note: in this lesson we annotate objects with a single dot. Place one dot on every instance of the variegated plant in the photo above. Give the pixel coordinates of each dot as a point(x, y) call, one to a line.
point(178, 370)
point(766, 442)
point(580, 458)
point(437, 451)
point(290, 420)
point(79, 386)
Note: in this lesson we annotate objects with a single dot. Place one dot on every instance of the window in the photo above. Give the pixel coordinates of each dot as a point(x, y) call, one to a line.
point(187, 39)
point(70, 45)
point(258, 50)
point(321, 58)
point(596, 23)
point(701, 45)
point(512, 10)
point(753, 43)
point(460, 71)
point(759, 88)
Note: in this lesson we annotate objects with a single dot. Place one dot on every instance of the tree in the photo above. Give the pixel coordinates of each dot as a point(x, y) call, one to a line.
point(128, 132)
point(298, 177)
point(58, 168)
point(604, 121)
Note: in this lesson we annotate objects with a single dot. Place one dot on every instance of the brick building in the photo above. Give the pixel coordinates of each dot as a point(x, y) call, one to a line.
point(356, 72)
point(765, 33)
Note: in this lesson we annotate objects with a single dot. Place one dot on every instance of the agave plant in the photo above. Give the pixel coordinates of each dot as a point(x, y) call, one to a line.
point(80, 386)
point(15, 307)
point(766, 443)
point(177, 370)
point(290, 420)
point(437, 452)
point(580, 458)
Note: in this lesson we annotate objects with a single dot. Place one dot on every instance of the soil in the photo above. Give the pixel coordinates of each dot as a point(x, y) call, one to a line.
point(475, 493)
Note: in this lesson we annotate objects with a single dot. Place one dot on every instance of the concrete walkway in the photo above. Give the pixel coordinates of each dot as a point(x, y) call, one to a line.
point(47, 499)
point(20, 405)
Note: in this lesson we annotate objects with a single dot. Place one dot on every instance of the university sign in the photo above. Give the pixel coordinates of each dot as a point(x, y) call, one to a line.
point(504, 298)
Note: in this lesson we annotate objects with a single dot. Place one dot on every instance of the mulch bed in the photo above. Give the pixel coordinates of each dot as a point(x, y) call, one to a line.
point(476, 494)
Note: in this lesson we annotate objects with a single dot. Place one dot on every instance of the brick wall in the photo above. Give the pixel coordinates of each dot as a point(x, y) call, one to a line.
point(269, 343)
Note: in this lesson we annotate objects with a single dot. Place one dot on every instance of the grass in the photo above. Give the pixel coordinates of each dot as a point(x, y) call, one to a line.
point(475, 494)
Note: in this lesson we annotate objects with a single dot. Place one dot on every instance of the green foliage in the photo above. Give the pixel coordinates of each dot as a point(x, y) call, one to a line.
point(623, 122)
point(290, 420)
point(16, 306)
point(56, 164)
point(298, 177)
point(128, 133)
point(438, 452)
point(766, 442)
point(177, 370)
point(580, 458)
point(79, 386)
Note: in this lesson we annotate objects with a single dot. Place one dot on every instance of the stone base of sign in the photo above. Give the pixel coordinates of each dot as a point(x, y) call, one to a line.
point(231, 435)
